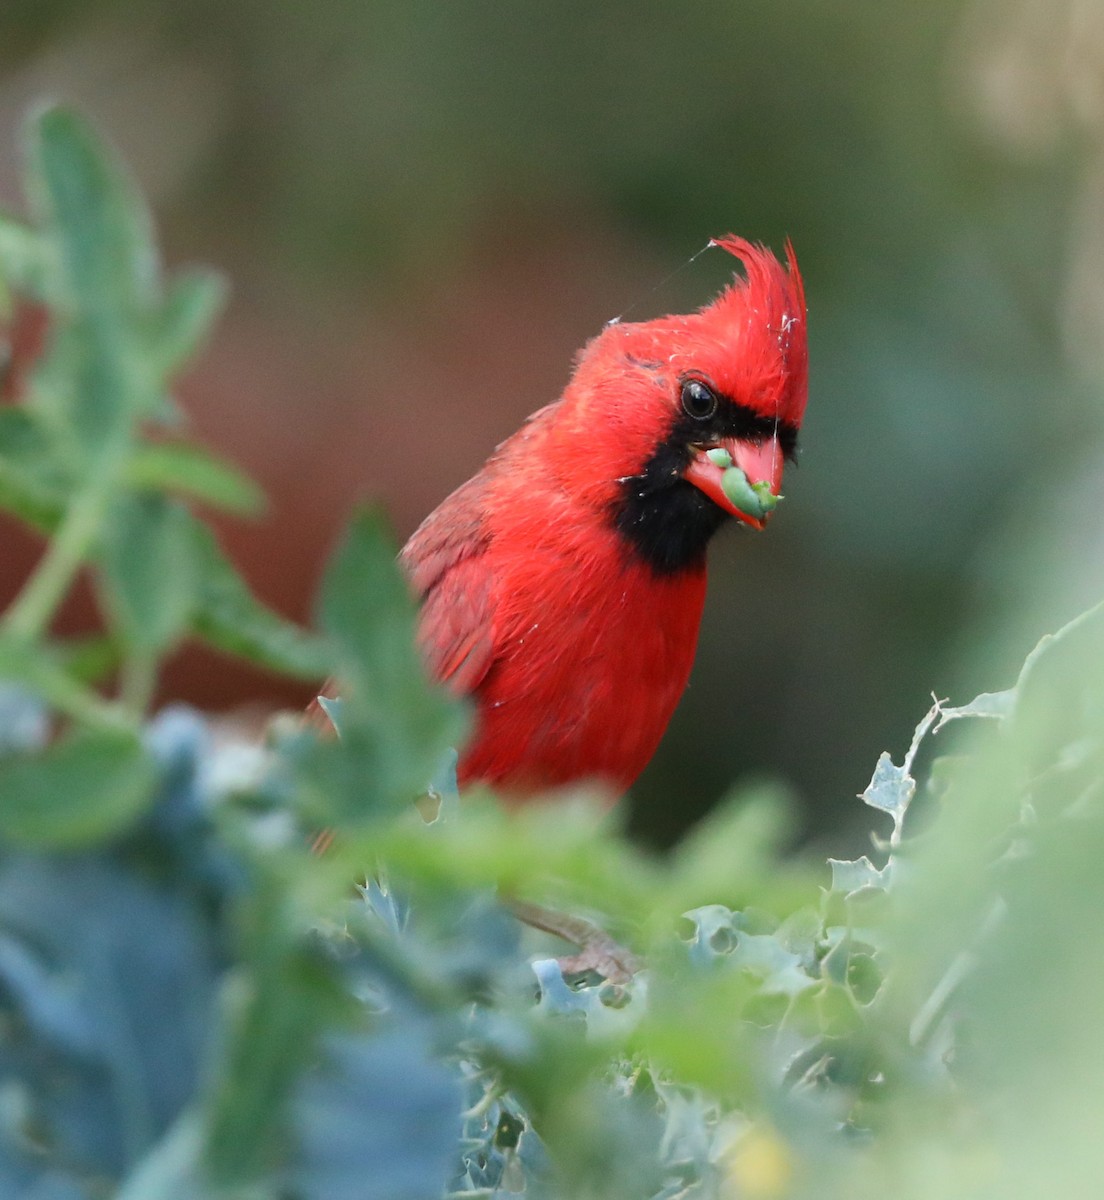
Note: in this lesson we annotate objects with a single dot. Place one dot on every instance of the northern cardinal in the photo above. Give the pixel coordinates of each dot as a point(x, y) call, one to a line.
point(562, 586)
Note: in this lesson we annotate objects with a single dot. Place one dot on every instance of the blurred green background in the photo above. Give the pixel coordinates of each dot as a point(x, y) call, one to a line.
point(427, 208)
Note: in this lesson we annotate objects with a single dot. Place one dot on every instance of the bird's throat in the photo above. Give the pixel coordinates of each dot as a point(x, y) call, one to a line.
point(667, 525)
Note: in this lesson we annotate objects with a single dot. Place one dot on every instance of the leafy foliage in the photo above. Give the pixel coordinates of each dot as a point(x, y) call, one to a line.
point(195, 1005)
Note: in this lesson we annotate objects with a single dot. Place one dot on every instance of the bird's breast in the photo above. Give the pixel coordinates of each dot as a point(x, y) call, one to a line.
point(592, 651)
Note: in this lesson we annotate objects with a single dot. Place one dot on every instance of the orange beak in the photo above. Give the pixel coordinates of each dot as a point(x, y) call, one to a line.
point(761, 462)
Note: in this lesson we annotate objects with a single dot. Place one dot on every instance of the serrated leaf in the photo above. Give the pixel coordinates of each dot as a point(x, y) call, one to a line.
point(853, 875)
point(82, 789)
point(232, 619)
point(801, 933)
point(778, 970)
point(992, 705)
point(150, 569)
point(834, 964)
point(715, 933)
point(890, 790)
point(556, 998)
point(193, 472)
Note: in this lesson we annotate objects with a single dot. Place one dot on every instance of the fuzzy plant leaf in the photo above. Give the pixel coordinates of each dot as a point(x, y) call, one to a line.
point(150, 570)
point(994, 706)
point(1060, 690)
point(720, 859)
point(107, 261)
point(33, 483)
point(399, 724)
point(84, 788)
point(192, 472)
point(779, 971)
point(850, 876)
point(182, 323)
point(890, 790)
point(232, 619)
point(26, 263)
point(287, 996)
point(407, 1147)
point(107, 276)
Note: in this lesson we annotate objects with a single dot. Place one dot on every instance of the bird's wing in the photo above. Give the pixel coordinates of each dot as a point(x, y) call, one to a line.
point(444, 561)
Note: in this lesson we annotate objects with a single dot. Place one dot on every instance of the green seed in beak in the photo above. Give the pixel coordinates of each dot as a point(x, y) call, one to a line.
point(754, 499)
point(719, 457)
point(767, 498)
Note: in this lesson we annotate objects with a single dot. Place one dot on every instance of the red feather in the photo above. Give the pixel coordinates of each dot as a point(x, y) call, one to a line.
point(575, 650)
point(575, 654)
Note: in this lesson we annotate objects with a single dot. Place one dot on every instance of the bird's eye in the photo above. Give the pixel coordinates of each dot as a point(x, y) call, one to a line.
point(698, 400)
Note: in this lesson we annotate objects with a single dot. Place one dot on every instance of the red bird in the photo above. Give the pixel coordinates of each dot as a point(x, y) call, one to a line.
point(562, 586)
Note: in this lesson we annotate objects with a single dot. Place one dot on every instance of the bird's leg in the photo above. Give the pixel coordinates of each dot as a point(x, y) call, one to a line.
point(598, 951)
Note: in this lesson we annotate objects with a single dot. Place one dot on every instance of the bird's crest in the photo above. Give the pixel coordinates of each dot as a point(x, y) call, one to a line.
point(749, 343)
point(761, 320)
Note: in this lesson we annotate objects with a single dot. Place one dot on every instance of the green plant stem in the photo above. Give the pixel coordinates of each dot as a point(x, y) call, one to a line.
point(41, 668)
point(33, 609)
point(84, 705)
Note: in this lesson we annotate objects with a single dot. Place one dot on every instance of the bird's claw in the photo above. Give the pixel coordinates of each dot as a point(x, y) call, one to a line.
point(605, 957)
point(597, 950)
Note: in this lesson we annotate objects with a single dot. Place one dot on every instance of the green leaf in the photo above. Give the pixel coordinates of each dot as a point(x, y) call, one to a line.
point(855, 875)
point(233, 620)
point(106, 281)
point(26, 262)
point(33, 486)
point(723, 858)
point(409, 1146)
point(193, 301)
point(890, 789)
point(49, 674)
point(83, 789)
point(170, 1170)
point(368, 610)
point(190, 470)
point(107, 260)
point(693, 1029)
point(150, 570)
point(286, 997)
point(992, 705)
point(1059, 696)
point(399, 724)
point(778, 970)
point(88, 659)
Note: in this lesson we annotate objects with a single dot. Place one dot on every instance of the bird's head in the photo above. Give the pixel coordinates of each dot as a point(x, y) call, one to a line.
point(688, 420)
